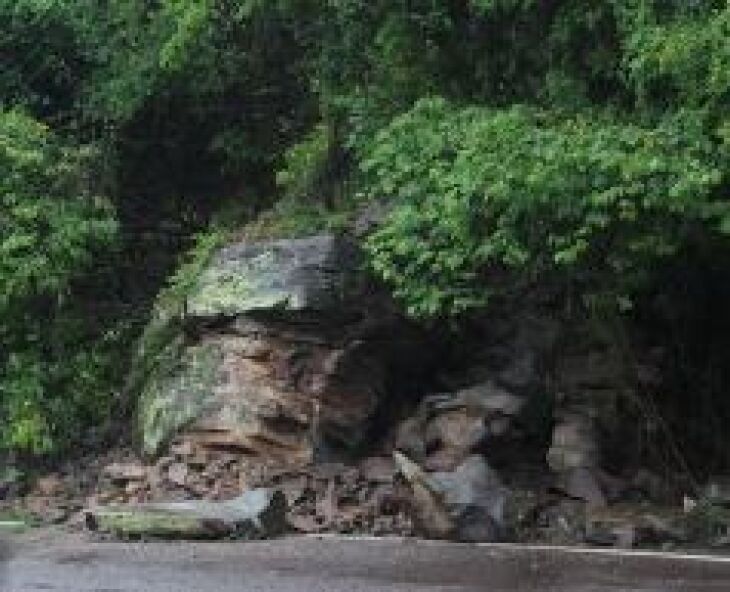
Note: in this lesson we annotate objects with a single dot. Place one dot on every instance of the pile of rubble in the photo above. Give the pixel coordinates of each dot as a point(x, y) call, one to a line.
point(417, 495)
point(363, 498)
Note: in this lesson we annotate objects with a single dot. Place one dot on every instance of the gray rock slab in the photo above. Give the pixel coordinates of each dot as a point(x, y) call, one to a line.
point(257, 514)
point(317, 273)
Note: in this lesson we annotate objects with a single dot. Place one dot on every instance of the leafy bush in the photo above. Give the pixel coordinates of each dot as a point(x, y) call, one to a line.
point(493, 197)
point(51, 230)
point(683, 59)
point(304, 165)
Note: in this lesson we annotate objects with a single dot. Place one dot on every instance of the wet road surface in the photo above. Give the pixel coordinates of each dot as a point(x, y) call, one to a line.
point(341, 565)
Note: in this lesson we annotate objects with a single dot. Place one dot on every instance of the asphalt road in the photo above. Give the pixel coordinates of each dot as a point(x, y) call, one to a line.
point(337, 565)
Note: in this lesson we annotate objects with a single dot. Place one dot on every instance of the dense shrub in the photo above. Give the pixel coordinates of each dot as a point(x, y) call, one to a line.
point(51, 229)
point(493, 197)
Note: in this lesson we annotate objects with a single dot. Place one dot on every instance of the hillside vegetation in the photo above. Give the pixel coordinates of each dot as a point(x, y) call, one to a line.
point(582, 145)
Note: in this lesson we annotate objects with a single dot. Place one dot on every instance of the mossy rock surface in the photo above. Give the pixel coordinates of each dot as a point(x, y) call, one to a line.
point(127, 523)
point(177, 393)
point(318, 273)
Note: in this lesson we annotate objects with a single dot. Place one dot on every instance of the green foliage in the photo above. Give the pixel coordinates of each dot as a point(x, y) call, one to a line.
point(49, 224)
point(708, 521)
point(304, 165)
point(218, 83)
point(487, 196)
point(685, 60)
point(50, 231)
point(290, 218)
point(44, 60)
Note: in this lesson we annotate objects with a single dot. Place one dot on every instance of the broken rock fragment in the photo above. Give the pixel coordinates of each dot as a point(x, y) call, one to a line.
point(466, 504)
point(257, 514)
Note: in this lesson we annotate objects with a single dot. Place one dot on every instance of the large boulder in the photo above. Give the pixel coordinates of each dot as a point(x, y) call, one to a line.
point(447, 428)
point(286, 355)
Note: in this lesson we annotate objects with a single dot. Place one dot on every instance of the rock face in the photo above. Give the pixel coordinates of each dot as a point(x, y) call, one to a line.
point(286, 358)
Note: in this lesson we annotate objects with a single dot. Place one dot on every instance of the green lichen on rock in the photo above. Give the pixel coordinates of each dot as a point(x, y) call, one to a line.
point(161, 339)
point(235, 286)
point(296, 218)
point(160, 355)
point(174, 396)
point(127, 523)
point(313, 273)
point(224, 292)
point(256, 514)
point(15, 522)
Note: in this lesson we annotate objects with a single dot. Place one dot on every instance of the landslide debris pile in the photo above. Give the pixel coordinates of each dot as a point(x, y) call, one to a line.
point(289, 372)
